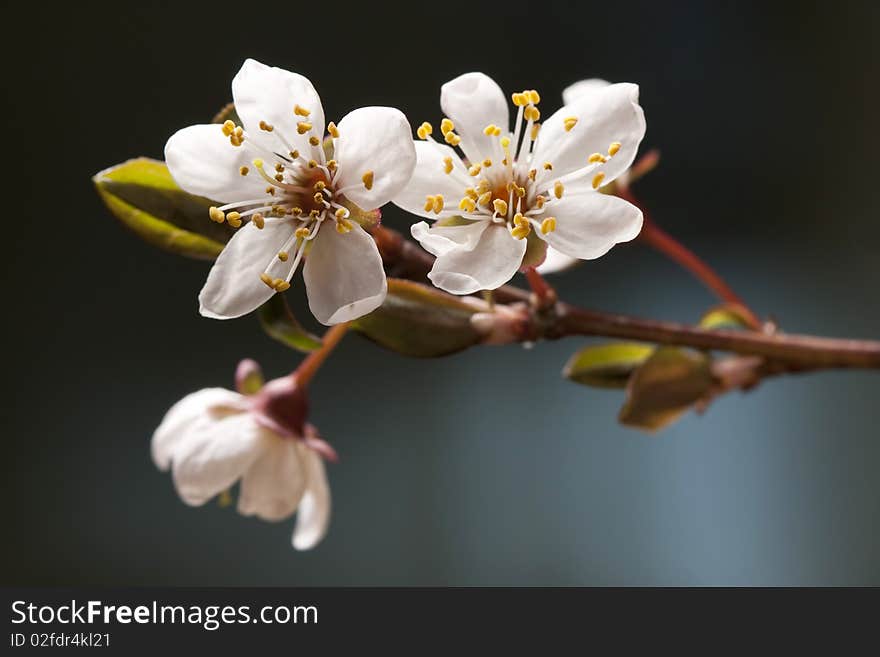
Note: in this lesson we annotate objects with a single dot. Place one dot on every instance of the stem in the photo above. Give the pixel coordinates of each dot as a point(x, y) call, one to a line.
point(544, 292)
point(312, 363)
point(789, 352)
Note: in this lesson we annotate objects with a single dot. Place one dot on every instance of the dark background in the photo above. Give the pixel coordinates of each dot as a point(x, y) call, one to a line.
point(486, 467)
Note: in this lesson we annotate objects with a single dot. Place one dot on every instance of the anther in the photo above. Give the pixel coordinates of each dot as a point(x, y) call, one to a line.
point(597, 179)
point(539, 201)
point(294, 154)
point(447, 164)
point(548, 166)
point(320, 186)
point(569, 123)
point(283, 256)
point(299, 110)
point(533, 173)
point(505, 142)
point(319, 198)
point(429, 203)
point(258, 221)
point(234, 219)
point(446, 126)
point(228, 128)
point(279, 167)
point(279, 177)
point(216, 215)
point(521, 232)
point(596, 157)
point(532, 113)
point(313, 164)
point(303, 127)
point(424, 131)
point(519, 219)
point(265, 126)
point(367, 179)
point(268, 280)
point(332, 165)
point(487, 162)
point(302, 232)
point(243, 170)
point(467, 204)
point(475, 170)
point(558, 188)
point(534, 96)
point(548, 225)
point(332, 129)
point(438, 204)
point(280, 285)
point(314, 141)
point(452, 139)
point(500, 206)
point(613, 148)
point(485, 198)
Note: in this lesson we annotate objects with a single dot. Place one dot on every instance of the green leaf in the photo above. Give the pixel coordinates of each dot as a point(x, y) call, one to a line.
point(417, 320)
point(142, 194)
point(607, 365)
point(724, 317)
point(665, 386)
point(278, 322)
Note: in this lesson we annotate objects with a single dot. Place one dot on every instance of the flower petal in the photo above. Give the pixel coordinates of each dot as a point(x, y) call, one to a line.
point(344, 275)
point(234, 287)
point(474, 101)
point(216, 455)
point(203, 162)
point(555, 261)
point(607, 115)
point(273, 486)
point(376, 141)
point(313, 514)
point(184, 416)
point(439, 240)
point(270, 94)
point(581, 88)
point(489, 264)
point(429, 178)
point(589, 224)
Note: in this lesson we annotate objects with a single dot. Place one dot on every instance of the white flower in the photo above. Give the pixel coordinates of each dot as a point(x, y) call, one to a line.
point(540, 181)
point(213, 438)
point(273, 171)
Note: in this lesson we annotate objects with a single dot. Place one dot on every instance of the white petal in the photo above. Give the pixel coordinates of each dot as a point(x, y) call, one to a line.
point(213, 457)
point(589, 224)
point(488, 265)
point(607, 115)
point(439, 240)
point(313, 514)
point(582, 88)
point(203, 162)
point(429, 178)
point(474, 101)
point(377, 140)
point(273, 486)
point(184, 416)
point(344, 275)
point(234, 287)
point(555, 262)
point(266, 93)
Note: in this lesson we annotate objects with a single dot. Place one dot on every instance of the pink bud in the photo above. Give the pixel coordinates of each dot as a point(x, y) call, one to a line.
point(248, 377)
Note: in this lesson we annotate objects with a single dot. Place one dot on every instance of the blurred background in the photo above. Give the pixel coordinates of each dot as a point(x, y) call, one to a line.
point(485, 468)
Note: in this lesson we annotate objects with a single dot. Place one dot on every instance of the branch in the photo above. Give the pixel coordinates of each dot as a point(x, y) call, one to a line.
point(786, 352)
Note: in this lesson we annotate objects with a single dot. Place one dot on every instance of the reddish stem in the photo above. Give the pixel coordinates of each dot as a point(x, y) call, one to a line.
point(310, 366)
point(544, 292)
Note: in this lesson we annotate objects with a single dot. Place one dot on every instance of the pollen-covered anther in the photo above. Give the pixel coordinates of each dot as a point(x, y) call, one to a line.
point(332, 129)
point(505, 143)
point(519, 191)
point(268, 280)
point(558, 189)
point(533, 173)
point(597, 179)
point(534, 96)
point(614, 148)
point(474, 170)
point(279, 177)
point(429, 203)
point(279, 167)
point(344, 226)
point(228, 128)
point(243, 170)
point(319, 198)
point(519, 219)
point(283, 256)
point(258, 220)
point(540, 201)
point(548, 166)
point(270, 190)
point(500, 206)
point(520, 99)
point(425, 130)
point(452, 139)
point(303, 127)
point(597, 158)
point(280, 285)
point(299, 110)
point(447, 165)
point(446, 126)
point(294, 154)
point(320, 186)
point(467, 204)
point(302, 232)
point(314, 141)
point(313, 164)
point(483, 186)
point(492, 130)
point(216, 215)
point(266, 126)
point(487, 163)
point(296, 211)
point(367, 179)
point(438, 204)
point(521, 232)
point(569, 123)
point(548, 225)
point(472, 193)
point(332, 165)
point(532, 113)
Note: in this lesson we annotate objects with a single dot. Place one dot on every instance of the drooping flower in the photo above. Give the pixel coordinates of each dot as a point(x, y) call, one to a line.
point(215, 437)
point(294, 194)
point(514, 193)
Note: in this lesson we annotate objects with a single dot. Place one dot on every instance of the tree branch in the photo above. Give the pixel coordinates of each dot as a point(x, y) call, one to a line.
point(784, 352)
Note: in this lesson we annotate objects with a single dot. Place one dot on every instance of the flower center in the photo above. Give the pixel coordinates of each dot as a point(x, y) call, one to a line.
point(504, 184)
point(300, 188)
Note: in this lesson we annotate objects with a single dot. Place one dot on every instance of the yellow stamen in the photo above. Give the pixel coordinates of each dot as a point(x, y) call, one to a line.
point(302, 232)
point(519, 219)
point(500, 206)
point(228, 128)
point(613, 148)
point(429, 203)
point(548, 166)
point(303, 127)
point(521, 232)
point(279, 177)
point(597, 179)
point(313, 164)
point(367, 179)
point(596, 157)
point(472, 193)
point(569, 123)
point(452, 139)
point(424, 131)
point(487, 162)
point(447, 164)
point(280, 285)
point(532, 113)
point(332, 129)
point(216, 215)
point(467, 204)
point(548, 225)
point(299, 110)
point(283, 256)
point(446, 126)
point(341, 213)
point(558, 188)
point(267, 127)
point(540, 201)
point(259, 221)
point(475, 170)
point(344, 226)
point(438, 204)
point(314, 141)
point(533, 173)
point(294, 154)
point(332, 165)
point(268, 280)
point(534, 96)
point(505, 142)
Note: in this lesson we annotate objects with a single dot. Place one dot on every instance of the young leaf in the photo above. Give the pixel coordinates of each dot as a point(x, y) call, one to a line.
point(142, 194)
point(665, 386)
point(725, 317)
point(607, 365)
point(278, 322)
point(417, 320)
